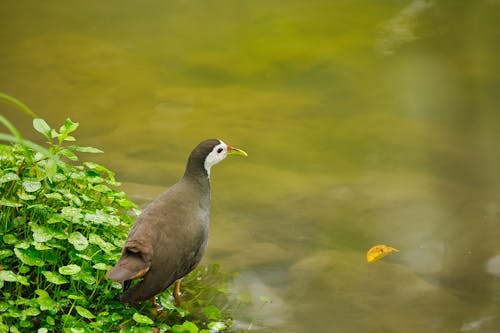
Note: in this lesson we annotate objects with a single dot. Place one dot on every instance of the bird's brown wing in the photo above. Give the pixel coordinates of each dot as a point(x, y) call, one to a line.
point(134, 262)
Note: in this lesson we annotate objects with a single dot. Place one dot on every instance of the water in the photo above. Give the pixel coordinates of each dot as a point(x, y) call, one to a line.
point(366, 122)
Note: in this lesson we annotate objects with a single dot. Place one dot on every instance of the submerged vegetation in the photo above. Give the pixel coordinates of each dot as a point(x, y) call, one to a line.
point(62, 225)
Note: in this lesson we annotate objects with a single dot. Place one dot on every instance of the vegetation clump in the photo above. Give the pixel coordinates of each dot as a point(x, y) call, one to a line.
point(62, 226)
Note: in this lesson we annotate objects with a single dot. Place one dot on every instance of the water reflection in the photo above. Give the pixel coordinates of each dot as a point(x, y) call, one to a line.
point(366, 122)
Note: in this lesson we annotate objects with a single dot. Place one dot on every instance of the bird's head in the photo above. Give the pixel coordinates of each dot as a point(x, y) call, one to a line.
point(210, 152)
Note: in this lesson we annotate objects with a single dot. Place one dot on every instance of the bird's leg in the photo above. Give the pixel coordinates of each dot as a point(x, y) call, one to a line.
point(177, 293)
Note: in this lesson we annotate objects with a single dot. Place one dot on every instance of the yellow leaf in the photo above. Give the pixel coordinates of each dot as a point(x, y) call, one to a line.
point(377, 252)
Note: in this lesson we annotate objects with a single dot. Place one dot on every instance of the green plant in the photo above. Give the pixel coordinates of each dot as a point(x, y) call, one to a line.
point(62, 225)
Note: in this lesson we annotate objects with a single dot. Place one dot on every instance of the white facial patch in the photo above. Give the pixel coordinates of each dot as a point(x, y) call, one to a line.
point(216, 155)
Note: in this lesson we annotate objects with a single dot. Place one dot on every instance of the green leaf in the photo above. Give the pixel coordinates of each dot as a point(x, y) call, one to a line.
point(51, 321)
point(191, 327)
point(101, 188)
point(69, 126)
point(86, 276)
point(25, 197)
point(8, 276)
point(10, 239)
point(78, 240)
point(31, 312)
point(84, 312)
point(8, 177)
point(41, 126)
point(72, 214)
point(179, 329)
point(55, 196)
point(212, 312)
point(44, 300)
point(76, 297)
point(69, 269)
point(141, 319)
point(9, 203)
point(23, 280)
point(101, 266)
point(41, 246)
point(54, 277)
point(97, 240)
point(30, 256)
point(41, 234)
point(216, 326)
point(31, 186)
point(69, 154)
point(85, 149)
point(5, 253)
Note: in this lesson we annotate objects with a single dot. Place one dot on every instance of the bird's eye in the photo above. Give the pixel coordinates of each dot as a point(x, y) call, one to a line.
point(219, 150)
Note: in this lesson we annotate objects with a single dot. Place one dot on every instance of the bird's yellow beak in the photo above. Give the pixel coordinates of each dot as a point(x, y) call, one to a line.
point(235, 151)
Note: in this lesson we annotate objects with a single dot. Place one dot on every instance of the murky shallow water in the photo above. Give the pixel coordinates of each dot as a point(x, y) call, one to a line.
point(366, 122)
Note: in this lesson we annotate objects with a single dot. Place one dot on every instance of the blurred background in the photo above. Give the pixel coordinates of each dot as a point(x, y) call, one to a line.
point(366, 122)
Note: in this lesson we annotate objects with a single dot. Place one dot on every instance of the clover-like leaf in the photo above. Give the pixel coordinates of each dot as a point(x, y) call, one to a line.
point(30, 256)
point(142, 319)
point(101, 266)
point(31, 186)
point(8, 177)
point(54, 277)
point(78, 240)
point(97, 240)
point(8, 276)
point(84, 312)
point(44, 300)
point(41, 233)
point(69, 269)
point(5, 253)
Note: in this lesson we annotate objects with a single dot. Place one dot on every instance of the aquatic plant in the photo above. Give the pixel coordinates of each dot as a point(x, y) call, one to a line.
point(62, 225)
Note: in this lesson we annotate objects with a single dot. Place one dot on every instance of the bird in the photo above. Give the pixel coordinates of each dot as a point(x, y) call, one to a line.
point(169, 238)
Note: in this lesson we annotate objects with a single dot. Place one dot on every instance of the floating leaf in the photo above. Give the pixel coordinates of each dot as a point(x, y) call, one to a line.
point(78, 240)
point(30, 256)
point(69, 269)
point(141, 319)
point(31, 186)
point(377, 252)
point(54, 277)
point(84, 312)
